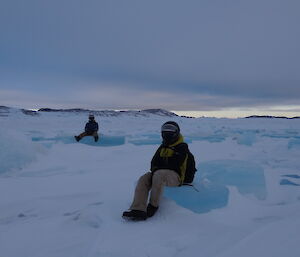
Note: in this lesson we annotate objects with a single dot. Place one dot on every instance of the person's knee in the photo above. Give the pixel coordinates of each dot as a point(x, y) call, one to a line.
point(166, 177)
point(145, 179)
point(158, 177)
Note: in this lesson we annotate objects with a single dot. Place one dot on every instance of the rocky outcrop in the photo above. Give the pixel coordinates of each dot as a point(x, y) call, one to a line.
point(109, 113)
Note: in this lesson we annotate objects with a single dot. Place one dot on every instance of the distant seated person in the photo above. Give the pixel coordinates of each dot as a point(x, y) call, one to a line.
point(91, 129)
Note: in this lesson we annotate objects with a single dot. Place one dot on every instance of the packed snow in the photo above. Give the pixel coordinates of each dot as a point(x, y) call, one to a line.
point(61, 198)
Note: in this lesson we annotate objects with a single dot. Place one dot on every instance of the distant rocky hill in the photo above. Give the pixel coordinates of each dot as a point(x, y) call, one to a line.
point(4, 111)
point(270, 117)
point(108, 113)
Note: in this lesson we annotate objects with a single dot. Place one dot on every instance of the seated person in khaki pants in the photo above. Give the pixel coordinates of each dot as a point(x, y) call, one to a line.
point(167, 169)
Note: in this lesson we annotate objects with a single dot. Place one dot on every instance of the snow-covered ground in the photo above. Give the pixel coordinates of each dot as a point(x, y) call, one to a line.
point(60, 198)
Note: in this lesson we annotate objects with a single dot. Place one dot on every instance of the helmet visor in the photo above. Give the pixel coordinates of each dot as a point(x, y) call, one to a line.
point(169, 128)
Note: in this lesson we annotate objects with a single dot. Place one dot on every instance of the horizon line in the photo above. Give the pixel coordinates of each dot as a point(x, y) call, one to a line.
point(229, 113)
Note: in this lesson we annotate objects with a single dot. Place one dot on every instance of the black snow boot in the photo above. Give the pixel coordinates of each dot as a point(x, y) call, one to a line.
point(77, 138)
point(134, 215)
point(96, 138)
point(151, 210)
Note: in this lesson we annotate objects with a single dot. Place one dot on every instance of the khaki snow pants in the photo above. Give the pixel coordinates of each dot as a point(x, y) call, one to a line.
point(154, 182)
point(84, 134)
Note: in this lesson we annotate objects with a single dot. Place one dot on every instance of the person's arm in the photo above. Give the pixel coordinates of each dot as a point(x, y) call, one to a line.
point(155, 160)
point(86, 128)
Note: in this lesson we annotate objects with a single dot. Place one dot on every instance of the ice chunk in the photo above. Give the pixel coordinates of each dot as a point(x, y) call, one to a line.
point(155, 139)
point(89, 140)
point(294, 143)
point(247, 137)
point(213, 138)
point(16, 151)
point(104, 140)
point(149, 139)
point(248, 177)
point(288, 182)
point(291, 176)
point(200, 199)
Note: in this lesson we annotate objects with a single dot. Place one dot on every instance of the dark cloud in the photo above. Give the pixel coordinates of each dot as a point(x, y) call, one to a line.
point(213, 53)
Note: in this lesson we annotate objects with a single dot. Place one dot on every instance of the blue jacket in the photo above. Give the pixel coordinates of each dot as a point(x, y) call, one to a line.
point(91, 126)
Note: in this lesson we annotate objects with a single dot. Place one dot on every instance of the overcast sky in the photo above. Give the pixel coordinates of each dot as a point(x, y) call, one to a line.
point(203, 55)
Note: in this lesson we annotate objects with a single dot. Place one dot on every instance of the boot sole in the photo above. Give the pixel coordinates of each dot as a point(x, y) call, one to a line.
point(133, 218)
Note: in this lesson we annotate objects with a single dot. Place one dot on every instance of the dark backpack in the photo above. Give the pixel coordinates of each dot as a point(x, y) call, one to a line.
point(190, 169)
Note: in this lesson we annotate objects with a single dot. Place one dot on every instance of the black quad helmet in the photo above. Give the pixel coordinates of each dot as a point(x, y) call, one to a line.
point(170, 132)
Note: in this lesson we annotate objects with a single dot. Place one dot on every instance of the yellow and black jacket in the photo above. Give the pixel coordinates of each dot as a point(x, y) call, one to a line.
point(173, 157)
